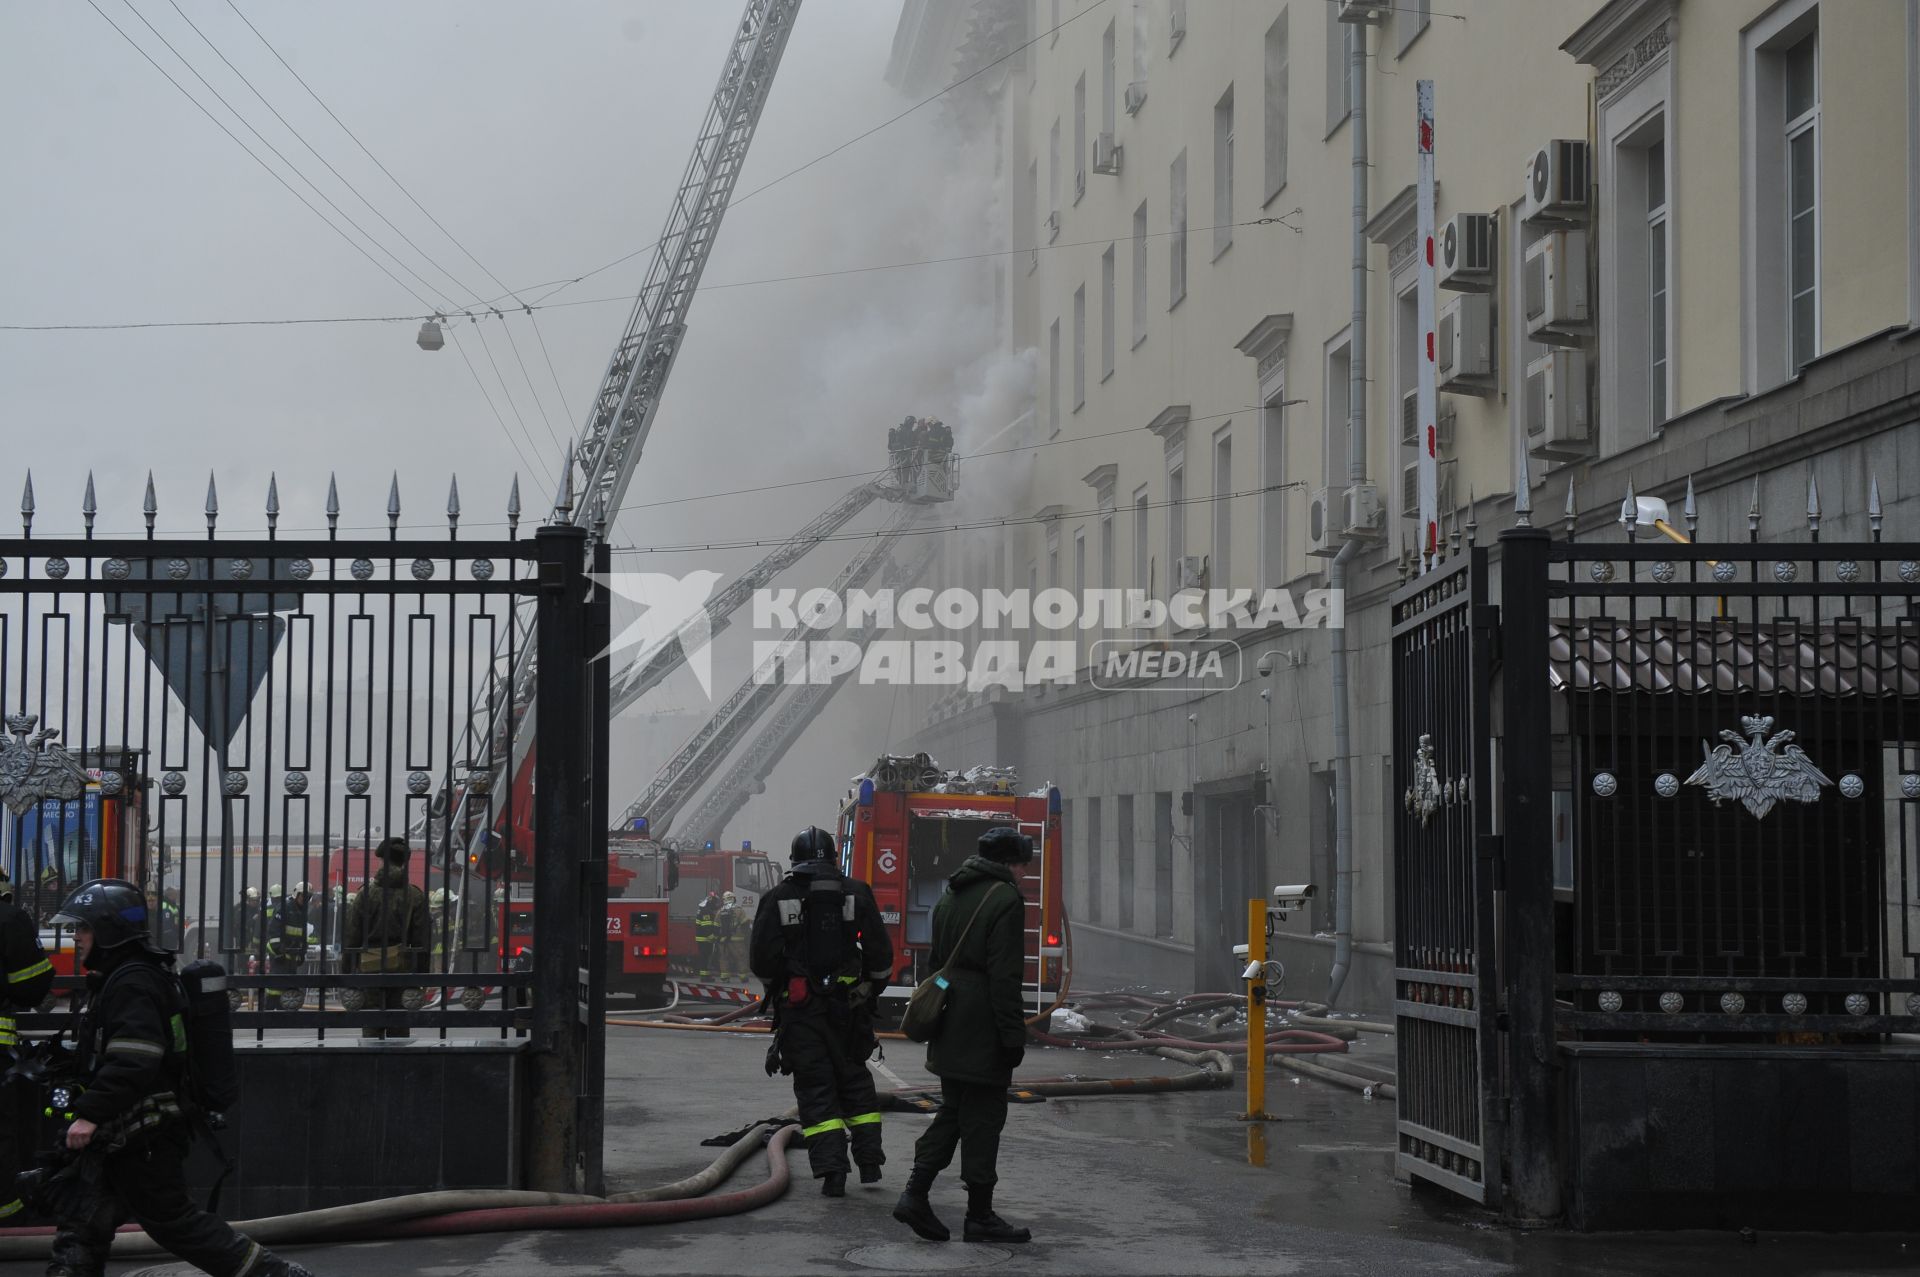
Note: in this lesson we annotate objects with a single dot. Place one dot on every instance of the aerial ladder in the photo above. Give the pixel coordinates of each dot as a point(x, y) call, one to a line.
point(499, 732)
point(736, 719)
point(747, 775)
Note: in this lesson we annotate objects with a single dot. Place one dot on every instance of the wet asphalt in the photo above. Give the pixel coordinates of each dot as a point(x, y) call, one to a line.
point(1161, 1184)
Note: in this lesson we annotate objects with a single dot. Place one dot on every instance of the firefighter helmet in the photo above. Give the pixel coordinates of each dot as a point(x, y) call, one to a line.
point(813, 843)
point(112, 908)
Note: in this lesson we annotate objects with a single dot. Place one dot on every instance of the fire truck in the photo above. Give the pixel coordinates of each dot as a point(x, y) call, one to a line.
point(747, 873)
point(906, 825)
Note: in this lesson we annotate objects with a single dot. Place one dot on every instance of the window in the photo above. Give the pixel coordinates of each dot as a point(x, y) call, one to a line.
point(1093, 849)
point(1273, 501)
point(1163, 865)
point(1108, 579)
point(1780, 180)
point(1176, 522)
point(1142, 49)
point(1276, 119)
point(1140, 273)
point(1177, 240)
point(1406, 374)
point(1176, 25)
point(1802, 77)
point(1079, 348)
point(1123, 826)
point(1108, 88)
point(1053, 378)
point(1106, 313)
point(1053, 178)
point(1339, 400)
point(1219, 577)
point(1409, 20)
point(1223, 173)
point(1079, 138)
point(1340, 38)
point(1656, 281)
point(1079, 562)
point(1030, 216)
point(1142, 560)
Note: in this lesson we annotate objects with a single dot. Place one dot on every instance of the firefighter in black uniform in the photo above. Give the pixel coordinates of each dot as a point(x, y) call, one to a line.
point(28, 978)
point(129, 1113)
point(824, 956)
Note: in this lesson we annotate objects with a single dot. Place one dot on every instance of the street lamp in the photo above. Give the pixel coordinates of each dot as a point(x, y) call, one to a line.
point(431, 338)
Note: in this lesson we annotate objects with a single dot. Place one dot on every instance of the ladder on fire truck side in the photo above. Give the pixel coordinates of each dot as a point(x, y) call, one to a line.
point(1034, 888)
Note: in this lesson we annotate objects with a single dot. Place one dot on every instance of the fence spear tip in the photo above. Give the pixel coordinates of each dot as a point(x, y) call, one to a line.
point(213, 496)
point(1873, 497)
point(150, 505)
point(453, 499)
point(393, 497)
point(88, 506)
point(273, 494)
point(1813, 500)
point(26, 496)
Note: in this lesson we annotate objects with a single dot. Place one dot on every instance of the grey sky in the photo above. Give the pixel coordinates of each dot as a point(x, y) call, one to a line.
point(548, 138)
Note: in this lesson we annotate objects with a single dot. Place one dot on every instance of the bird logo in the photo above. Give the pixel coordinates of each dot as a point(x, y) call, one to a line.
point(34, 766)
point(1758, 777)
point(672, 607)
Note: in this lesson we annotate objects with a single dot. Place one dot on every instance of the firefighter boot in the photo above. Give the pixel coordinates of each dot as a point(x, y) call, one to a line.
point(985, 1226)
point(870, 1173)
point(915, 1211)
point(834, 1185)
point(271, 1265)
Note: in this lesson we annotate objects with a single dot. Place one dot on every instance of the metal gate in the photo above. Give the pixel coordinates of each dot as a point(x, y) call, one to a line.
point(1444, 961)
point(235, 723)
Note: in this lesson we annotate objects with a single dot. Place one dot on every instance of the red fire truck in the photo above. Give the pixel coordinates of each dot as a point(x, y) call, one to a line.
point(907, 825)
point(640, 874)
point(747, 873)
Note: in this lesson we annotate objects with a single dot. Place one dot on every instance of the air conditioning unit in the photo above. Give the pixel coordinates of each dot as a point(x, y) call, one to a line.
point(1364, 513)
point(1467, 254)
point(1557, 180)
point(1410, 423)
point(1559, 425)
point(1106, 155)
point(1410, 490)
point(1556, 289)
point(1136, 96)
point(1052, 226)
point(1371, 12)
point(1191, 573)
point(1326, 520)
point(1463, 364)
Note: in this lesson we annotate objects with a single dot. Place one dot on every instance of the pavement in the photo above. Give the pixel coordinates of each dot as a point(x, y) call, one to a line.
point(1158, 1184)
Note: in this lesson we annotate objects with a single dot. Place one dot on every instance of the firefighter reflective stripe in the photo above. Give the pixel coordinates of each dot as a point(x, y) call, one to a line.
point(821, 1128)
point(864, 1119)
point(8, 1037)
point(11, 1208)
point(847, 903)
point(789, 913)
point(133, 1046)
point(29, 972)
point(254, 1253)
point(149, 1112)
point(179, 1024)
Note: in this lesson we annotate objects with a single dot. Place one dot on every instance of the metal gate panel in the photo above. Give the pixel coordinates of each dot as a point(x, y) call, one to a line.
point(1443, 888)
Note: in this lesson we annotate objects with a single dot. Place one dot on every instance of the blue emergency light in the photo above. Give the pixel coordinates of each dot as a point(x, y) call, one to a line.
point(638, 825)
point(709, 844)
point(866, 792)
point(746, 844)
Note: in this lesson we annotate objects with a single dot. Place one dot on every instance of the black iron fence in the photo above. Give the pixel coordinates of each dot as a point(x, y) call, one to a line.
point(237, 724)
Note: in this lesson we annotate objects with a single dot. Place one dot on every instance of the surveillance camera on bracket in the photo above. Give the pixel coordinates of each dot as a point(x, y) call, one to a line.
point(1288, 898)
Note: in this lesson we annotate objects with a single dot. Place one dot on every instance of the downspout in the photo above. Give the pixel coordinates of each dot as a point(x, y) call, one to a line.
point(1337, 574)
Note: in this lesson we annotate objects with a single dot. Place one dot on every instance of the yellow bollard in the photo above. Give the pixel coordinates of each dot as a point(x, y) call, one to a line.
point(1257, 1013)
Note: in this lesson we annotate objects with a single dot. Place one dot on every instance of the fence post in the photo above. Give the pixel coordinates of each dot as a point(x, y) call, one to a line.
point(1533, 1181)
point(562, 762)
point(593, 894)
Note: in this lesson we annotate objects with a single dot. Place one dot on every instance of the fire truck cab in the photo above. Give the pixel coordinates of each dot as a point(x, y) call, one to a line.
point(906, 826)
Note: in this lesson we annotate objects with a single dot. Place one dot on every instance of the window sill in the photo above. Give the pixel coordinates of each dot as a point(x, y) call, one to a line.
point(1175, 303)
point(1106, 376)
point(1077, 407)
point(1413, 40)
point(1141, 340)
point(1272, 195)
point(1221, 251)
point(1336, 126)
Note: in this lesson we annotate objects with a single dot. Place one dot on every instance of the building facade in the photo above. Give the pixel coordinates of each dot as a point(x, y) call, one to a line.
point(1677, 239)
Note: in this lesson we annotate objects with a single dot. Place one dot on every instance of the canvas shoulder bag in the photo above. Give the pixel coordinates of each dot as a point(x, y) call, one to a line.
point(928, 1003)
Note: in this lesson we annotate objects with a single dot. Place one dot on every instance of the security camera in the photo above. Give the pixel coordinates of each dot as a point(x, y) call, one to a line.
point(1239, 951)
point(1291, 897)
point(1266, 665)
point(1193, 718)
point(1252, 972)
point(1266, 693)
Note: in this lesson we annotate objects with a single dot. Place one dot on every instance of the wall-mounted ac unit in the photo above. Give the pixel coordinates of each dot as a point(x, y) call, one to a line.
point(1467, 257)
point(1052, 226)
point(1556, 289)
point(1364, 513)
point(1326, 520)
point(1192, 572)
point(1559, 423)
point(1410, 423)
point(1558, 175)
point(1367, 11)
point(1136, 96)
point(1106, 154)
point(1463, 363)
point(1410, 490)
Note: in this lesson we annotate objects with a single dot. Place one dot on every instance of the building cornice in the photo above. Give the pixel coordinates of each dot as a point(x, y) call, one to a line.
point(1047, 513)
point(1101, 478)
point(1266, 342)
point(1398, 215)
point(1617, 30)
point(1171, 424)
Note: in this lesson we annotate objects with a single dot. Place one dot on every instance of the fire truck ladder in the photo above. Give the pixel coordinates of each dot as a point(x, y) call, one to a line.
point(629, 398)
point(747, 776)
point(701, 756)
point(646, 670)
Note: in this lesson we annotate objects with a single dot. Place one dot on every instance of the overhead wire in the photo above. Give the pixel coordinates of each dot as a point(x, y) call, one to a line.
point(354, 244)
point(528, 378)
point(278, 154)
point(469, 290)
point(454, 337)
point(505, 391)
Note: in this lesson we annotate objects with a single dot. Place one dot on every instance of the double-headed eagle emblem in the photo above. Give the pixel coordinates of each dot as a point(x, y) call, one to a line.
point(1757, 776)
point(1423, 796)
point(33, 767)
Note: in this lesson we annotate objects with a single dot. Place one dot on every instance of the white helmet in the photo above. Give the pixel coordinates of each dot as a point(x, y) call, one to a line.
point(253, 893)
point(304, 889)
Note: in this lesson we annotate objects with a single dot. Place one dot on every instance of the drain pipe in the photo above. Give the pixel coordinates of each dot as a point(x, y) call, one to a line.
point(1337, 574)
